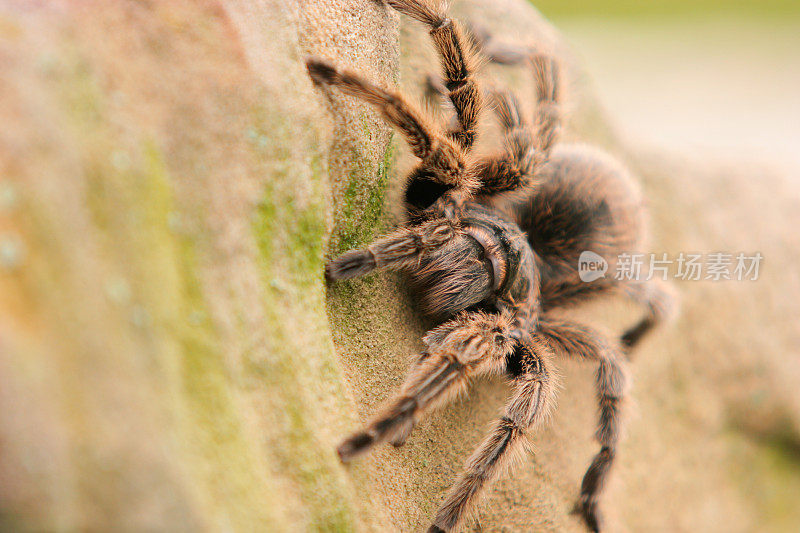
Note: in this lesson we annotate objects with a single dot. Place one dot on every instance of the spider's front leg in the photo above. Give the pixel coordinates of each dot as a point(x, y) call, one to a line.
point(457, 59)
point(531, 400)
point(442, 158)
point(399, 250)
point(471, 344)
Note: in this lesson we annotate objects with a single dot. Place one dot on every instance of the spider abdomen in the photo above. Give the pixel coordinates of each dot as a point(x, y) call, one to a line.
point(584, 201)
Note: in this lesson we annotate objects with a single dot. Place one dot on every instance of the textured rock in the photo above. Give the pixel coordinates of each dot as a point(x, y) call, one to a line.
point(170, 357)
point(166, 360)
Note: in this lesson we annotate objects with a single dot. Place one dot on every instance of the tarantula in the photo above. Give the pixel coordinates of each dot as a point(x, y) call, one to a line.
point(491, 247)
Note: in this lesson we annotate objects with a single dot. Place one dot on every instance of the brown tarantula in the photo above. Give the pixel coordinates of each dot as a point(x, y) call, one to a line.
point(492, 265)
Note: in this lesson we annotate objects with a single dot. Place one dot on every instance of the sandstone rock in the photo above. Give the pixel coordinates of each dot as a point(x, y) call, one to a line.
point(170, 356)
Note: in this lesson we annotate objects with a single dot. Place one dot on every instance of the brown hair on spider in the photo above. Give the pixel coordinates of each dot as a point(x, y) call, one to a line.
point(492, 266)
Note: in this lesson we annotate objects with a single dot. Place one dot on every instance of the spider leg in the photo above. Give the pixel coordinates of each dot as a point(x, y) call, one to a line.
point(571, 293)
point(545, 71)
point(443, 158)
point(502, 54)
point(457, 58)
point(657, 298)
point(517, 135)
point(531, 399)
point(471, 344)
point(574, 340)
point(505, 104)
point(660, 304)
point(399, 250)
point(546, 121)
point(506, 108)
point(499, 53)
point(525, 148)
point(508, 111)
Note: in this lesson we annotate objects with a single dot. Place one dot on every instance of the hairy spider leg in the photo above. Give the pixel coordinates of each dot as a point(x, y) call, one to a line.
point(530, 403)
point(660, 305)
point(570, 339)
point(658, 299)
point(399, 250)
point(443, 159)
point(525, 148)
point(458, 65)
point(472, 344)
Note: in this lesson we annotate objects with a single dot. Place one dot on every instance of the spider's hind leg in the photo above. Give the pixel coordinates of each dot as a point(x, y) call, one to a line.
point(660, 303)
point(574, 340)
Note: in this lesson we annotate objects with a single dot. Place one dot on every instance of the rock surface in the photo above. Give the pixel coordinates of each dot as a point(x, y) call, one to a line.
point(171, 358)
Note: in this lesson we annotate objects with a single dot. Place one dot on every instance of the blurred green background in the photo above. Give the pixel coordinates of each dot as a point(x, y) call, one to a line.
point(556, 9)
point(713, 79)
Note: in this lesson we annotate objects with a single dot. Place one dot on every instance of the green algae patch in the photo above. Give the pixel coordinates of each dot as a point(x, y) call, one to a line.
point(176, 360)
point(300, 370)
point(362, 212)
point(230, 473)
point(136, 205)
point(129, 194)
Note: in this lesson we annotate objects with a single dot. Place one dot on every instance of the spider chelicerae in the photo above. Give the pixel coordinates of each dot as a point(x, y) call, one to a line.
point(492, 247)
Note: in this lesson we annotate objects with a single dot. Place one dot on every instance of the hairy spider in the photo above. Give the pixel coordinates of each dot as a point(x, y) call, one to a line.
point(491, 247)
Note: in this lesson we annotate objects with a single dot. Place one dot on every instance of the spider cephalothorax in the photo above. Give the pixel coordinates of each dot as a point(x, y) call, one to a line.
point(490, 265)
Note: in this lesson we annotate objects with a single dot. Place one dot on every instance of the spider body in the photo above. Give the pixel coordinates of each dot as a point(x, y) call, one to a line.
point(490, 266)
point(584, 200)
point(491, 247)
